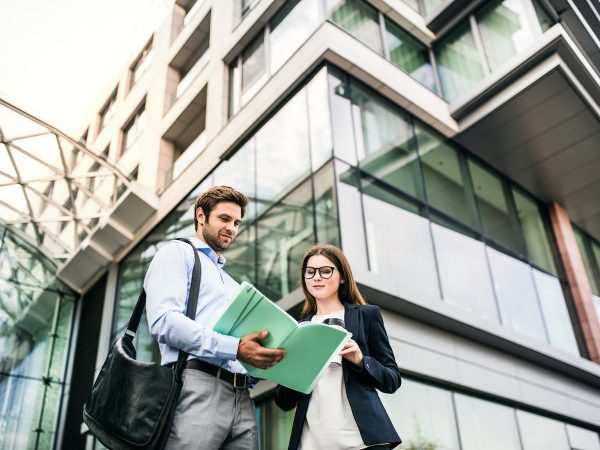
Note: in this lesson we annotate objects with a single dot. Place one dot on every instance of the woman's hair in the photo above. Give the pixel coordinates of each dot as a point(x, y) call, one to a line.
point(348, 291)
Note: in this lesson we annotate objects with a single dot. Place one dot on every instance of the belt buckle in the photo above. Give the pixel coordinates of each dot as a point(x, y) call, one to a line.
point(243, 379)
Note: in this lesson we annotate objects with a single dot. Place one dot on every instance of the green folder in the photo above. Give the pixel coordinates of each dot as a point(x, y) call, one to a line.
point(309, 346)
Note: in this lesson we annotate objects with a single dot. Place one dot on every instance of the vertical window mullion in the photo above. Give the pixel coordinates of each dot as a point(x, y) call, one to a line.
point(386, 50)
point(436, 75)
point(532, 20)
point(479, 44)
point(267, 47)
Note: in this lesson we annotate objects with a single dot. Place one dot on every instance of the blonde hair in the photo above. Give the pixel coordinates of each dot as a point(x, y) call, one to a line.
point(348, 291)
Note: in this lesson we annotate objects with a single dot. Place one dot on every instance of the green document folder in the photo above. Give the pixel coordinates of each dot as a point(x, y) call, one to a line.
point(309, 346)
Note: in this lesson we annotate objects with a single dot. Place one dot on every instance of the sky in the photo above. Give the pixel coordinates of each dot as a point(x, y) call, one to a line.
point(58, 56)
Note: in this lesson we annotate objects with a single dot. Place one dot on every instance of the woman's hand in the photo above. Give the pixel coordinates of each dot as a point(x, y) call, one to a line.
point(352, 352)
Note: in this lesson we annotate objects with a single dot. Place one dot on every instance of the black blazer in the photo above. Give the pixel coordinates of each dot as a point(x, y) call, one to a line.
point(378, 371)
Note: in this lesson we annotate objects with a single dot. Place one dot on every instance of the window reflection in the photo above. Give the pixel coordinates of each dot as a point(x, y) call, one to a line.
point(282, 152)
point(484, 424)
point(542, 433)
point(464, 273)
point(358, 18)
point(517, 300)
point(284, 233)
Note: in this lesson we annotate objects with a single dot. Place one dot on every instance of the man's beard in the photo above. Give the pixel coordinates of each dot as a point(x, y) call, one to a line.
point(213, 240)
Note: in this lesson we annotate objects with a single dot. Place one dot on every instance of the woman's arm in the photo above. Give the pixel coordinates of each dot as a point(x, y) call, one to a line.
point(379, 368)
point(287, 398)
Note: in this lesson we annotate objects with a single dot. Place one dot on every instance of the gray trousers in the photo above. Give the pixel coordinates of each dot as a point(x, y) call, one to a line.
point(212, 415)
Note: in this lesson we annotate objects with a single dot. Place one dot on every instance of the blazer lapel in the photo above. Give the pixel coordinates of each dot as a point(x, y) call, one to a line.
point(351, 319)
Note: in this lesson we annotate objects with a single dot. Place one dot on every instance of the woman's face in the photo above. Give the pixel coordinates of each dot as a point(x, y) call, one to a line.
point(320, 287)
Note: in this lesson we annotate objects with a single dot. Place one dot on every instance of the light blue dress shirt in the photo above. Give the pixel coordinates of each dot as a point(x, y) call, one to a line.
point(167, 285)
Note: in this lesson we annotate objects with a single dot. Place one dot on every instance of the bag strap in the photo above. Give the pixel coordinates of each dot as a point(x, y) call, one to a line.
point(136, 316)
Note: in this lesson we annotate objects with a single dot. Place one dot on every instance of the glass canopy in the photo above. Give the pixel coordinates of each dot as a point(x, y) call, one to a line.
point(53, 190)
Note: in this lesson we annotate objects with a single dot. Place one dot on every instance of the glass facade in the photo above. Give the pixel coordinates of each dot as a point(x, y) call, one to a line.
point(36, 317)
point(589, 249)
point(357, 166)
point(485, 41)
point(434, 418)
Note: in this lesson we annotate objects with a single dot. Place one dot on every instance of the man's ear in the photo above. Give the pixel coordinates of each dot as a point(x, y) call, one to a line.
point(200, 216)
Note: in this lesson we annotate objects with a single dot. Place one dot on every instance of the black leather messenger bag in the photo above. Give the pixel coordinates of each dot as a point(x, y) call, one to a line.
point(132, 403)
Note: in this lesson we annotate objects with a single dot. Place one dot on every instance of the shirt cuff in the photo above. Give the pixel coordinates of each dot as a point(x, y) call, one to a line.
point(227, 347)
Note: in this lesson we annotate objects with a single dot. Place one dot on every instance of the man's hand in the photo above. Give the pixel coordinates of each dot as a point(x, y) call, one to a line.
point(250, 351)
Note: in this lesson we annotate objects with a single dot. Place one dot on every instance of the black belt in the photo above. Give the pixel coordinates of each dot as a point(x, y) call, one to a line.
point(237, 380)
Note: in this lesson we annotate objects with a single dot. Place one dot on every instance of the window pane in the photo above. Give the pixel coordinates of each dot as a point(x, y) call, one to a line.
point(253, 61)
point(281, 140)
point(541, 433)
point(485, 425)
point(595, 246)
point(504, 31)
point(409, 54)
point(425, 416)
point(432, 5)
point(464, 273)
point(582, 244)
point(582, 439)
point(498, 222)
point(321, 138)
point(444, 178)
point(401, 262)
point(519, 307)
point(542, 15)
point(357, 18)
point(284, 233)
point(385, 137)
point(556, 316)
point(458, 63)
point(274, 425)
point(290, 28)
point(341, 117)
point(536, 238)
point(326, 206)
point(241, 257)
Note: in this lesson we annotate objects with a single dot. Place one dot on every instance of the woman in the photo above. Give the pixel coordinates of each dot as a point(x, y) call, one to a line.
point(344, 411)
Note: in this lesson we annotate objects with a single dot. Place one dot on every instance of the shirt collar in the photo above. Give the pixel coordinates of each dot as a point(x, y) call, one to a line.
point(204, 248)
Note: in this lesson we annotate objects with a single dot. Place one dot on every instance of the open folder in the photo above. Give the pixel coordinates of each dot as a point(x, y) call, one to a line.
point(309, 346)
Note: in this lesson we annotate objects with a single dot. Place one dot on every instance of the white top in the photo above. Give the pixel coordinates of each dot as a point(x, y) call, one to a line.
point(329, 421)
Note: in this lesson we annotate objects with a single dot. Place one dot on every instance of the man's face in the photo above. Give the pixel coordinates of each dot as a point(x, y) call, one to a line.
point(221, 227)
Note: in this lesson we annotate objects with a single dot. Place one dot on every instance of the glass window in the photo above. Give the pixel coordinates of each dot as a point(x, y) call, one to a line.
point(290, 27)
point(542, 16)
point(341, 118)
point(239, 172)
point(542, 433)
point(484, 424)
point(326, 213)
point(425, 416)
point(459, 64)
point(359, 19)
point(401, 262)
point(515, 292)
point(385, 142)
point(142, 64)
point(409, 54)
point(274, 425)
point(587, 256)
point(253, 61)
point(492, 200)
point(464, 273)
point(133, 128)
point(431, 6)
point(445, 179)
point(534, 231)
point(504, 30)
point(284, 233)
point(582, 439)
point(556, 315)
point(108, 110)
point(282, 139)
point(321, 138)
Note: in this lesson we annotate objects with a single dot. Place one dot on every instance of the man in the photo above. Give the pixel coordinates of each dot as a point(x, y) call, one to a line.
point(215, 410)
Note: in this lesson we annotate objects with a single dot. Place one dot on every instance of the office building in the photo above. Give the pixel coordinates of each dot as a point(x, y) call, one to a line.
point(451, 148)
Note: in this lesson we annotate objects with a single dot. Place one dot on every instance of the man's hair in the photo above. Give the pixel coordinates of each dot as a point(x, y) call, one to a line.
point(209, 199)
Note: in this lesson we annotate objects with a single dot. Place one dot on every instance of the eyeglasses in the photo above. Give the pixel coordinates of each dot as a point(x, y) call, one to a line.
point(324, 271)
